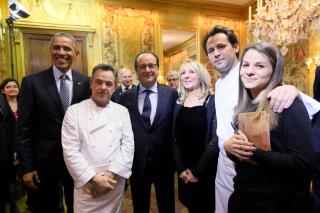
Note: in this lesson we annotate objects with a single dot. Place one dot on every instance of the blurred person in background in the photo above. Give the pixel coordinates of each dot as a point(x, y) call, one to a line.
point(9, 116)
point(125, 78)
point(173, 79)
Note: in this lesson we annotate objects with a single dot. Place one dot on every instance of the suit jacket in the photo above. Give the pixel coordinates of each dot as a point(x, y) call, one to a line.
point(40, 121)
point(316, 84)
point(116, 95)
point(153, 143)
point(207, 163)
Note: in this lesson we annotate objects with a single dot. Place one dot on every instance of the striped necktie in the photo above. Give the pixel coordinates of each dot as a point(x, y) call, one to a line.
point(64, 91)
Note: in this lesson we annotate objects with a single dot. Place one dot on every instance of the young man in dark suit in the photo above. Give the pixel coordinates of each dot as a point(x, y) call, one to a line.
point(151, 105)
point(125, 77)
point(44, 99)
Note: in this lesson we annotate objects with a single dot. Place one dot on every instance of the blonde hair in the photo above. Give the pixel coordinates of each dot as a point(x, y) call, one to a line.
point(245, 99)
point(203, 74)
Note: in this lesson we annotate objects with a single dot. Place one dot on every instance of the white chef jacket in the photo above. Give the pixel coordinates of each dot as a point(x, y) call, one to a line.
point(226, 98)
point(97, 139)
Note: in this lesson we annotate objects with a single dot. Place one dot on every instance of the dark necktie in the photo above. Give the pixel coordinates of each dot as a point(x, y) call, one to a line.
point(146, 108)
point(64, 91)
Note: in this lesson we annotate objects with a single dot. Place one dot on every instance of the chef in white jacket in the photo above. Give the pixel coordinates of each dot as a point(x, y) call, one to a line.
point(98, 146)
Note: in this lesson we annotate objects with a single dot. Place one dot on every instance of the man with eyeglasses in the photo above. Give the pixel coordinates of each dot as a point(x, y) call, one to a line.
point(173, 79)
point(151, 106)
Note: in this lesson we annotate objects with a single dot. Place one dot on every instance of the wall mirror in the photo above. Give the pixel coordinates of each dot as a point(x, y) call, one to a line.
point(178, 46)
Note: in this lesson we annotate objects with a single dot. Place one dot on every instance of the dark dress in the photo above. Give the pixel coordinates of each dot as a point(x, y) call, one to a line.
point(280, 181)
point(196, 150)
point(7, 125)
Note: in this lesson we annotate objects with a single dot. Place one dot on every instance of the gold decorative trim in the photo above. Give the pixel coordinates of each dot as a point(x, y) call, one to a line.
point(210, 8)
point(114, 36)
point(40, 25)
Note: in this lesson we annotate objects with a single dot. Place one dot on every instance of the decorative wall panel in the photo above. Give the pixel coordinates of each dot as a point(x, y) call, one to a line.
point(59, 11)
point(296, 72)
point(3, 63)
point(126, 32)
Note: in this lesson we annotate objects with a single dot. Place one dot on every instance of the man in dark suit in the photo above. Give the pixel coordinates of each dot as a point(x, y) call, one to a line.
point(316, 84)
point(316, 133)
point(150, 105)
point(44, 99)
point(125, 77)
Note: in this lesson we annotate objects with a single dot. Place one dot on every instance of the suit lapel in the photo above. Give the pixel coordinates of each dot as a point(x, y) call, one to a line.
point(160, 105)
point(50, 84)
point(77, 87)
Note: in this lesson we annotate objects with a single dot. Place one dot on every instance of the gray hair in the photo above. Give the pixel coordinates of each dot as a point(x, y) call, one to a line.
point(173, 73)
point(64, 35)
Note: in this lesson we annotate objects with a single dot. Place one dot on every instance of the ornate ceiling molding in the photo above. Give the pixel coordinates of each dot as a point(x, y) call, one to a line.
point(205, 7)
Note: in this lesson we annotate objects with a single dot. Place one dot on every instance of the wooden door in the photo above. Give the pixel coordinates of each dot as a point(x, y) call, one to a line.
point(38, 56)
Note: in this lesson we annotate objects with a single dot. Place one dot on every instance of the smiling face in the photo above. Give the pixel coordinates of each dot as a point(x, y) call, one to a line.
point(63, 52)
point(11, 89)
point(190, 79)
point(221, 53)
point(255, 72)
point(126, 77)
point(147, 69)
point(102, 87)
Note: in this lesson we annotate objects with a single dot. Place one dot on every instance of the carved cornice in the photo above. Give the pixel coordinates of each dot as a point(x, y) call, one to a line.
point(40, 25)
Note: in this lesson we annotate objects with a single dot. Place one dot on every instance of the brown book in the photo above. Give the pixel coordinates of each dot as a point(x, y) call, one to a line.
point(256, 127)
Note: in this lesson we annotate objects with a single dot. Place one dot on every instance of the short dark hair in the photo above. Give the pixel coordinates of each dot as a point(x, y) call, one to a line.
point(6, 81)
point(64, 35)
point(104, 67)
point(145, 51)
point(232, 37)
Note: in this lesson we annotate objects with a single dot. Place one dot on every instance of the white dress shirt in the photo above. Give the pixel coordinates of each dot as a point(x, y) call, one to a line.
point(153, 99)
point(57, 74)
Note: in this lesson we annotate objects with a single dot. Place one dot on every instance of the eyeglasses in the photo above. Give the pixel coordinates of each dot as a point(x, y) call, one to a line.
point(144, 66)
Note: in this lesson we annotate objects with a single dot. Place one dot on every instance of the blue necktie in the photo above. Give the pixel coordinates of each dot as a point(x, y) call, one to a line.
point(64, 91)
point(146, 109)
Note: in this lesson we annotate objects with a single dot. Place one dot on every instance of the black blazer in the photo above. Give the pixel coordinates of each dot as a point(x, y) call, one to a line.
point(316, 84)
point(207, 164)
point(154, 143)
point(40, 121)
point(116, 95)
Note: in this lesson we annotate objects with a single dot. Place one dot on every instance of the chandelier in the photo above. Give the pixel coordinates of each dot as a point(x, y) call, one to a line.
point(284, 22)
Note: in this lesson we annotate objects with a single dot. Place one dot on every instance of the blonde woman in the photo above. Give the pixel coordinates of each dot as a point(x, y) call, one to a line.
point(195, 141)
